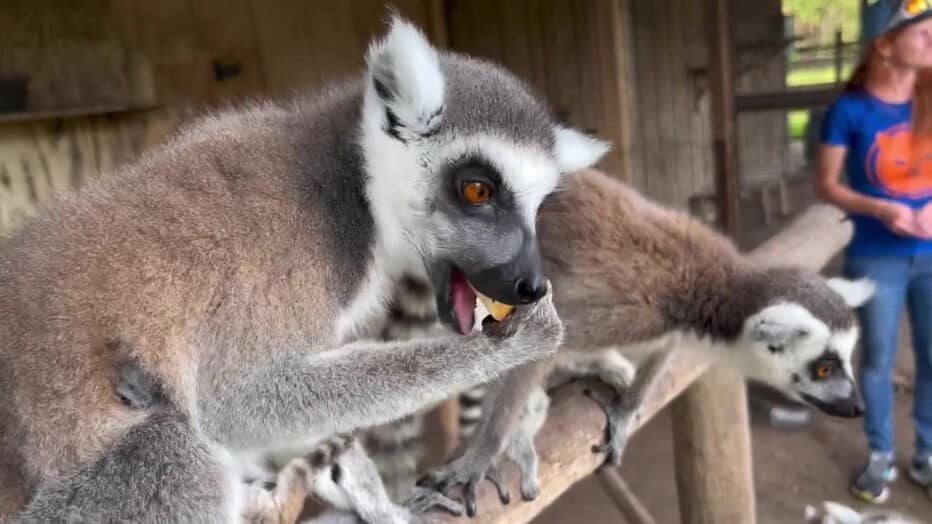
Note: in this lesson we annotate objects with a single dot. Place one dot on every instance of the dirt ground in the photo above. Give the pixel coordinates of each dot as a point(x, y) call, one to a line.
point(791, 468)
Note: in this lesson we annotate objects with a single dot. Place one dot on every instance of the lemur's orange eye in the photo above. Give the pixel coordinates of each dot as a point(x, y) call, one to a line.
point(824, 371)
point(477, 192)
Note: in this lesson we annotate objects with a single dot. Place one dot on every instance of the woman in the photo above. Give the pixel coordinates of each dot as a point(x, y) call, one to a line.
point(880, 134)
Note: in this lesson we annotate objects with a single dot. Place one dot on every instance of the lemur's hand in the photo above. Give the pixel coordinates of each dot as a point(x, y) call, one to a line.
point(533, 329)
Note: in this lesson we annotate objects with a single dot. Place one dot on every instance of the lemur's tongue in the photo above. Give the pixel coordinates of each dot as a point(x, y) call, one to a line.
point(464, 301)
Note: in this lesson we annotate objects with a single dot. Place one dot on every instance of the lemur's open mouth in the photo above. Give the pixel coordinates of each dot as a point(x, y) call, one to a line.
point(464, 301)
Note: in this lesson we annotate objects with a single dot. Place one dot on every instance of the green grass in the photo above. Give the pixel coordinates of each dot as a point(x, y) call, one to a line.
point(814, 76)
point(798, 121)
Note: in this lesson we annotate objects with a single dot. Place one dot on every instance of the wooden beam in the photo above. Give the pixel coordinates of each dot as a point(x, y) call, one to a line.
point(574, 424)
point(625, 499)
point(800, 98)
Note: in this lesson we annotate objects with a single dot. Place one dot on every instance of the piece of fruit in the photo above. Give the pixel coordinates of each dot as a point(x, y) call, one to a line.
point(498, 310)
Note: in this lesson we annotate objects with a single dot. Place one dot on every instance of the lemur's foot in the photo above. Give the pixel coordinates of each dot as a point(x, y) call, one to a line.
point(619, 422)
point(523, 453)
point(283, 500)
point(468, 472)
point(424, 500)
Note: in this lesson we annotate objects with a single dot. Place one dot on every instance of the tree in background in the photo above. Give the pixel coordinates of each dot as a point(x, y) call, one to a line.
point(817, 20)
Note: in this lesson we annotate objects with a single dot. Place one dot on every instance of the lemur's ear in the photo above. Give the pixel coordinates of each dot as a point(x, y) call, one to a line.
point(776, 333)
point(406, 84)
point(575, 150)
point(778, 325)
point(854, 292)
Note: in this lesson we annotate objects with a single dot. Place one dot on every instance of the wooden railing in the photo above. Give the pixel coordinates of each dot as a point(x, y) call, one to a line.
point(713, 460)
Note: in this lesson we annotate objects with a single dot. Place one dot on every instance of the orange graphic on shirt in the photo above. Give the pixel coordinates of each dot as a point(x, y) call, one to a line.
point(900, 164)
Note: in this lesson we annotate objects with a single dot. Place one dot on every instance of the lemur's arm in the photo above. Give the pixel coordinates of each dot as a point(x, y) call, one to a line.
point(502, 408)
point(370, 383)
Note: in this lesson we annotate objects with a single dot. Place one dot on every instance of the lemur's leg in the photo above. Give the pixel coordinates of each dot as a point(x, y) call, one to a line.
point(521, 448)
point(283, 503)
point(608, 366)
point(502, 410)
point(624, 408)
point(353, 485)
point(160, 471)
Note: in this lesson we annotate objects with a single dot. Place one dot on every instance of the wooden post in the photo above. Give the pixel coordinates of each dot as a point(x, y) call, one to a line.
point(722, 114)
point(711, 428)
point(619, 15)
point(839, 58)
point(712, 450)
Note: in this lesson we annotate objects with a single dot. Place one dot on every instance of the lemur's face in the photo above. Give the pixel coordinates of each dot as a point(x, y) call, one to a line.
point(482, 227)
point(798, 353)
point(461, 156)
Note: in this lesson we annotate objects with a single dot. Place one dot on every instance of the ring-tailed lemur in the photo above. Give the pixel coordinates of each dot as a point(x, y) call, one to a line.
point(627, 271)
point(241, 261)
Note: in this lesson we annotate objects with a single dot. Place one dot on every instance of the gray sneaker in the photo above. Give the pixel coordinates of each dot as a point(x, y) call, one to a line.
point(920, 470)
point(871, 484)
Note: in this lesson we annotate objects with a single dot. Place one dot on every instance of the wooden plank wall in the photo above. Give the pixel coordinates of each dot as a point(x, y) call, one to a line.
point(133, 53)
point(671, 142)
point(647, 95)
point(625, 70)
point(565, 49)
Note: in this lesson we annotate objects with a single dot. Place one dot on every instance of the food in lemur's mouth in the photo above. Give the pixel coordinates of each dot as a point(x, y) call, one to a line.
point(498, 310)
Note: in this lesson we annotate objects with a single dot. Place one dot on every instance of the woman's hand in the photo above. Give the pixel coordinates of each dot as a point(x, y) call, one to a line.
point(902, 220)
point(924, 221)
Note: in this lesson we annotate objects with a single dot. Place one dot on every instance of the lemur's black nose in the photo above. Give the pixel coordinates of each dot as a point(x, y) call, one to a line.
point(531, 289)
point(858, 409)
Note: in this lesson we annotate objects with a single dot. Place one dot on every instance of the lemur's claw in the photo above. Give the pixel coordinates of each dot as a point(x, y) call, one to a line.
point(619, 418)
point(495, 477)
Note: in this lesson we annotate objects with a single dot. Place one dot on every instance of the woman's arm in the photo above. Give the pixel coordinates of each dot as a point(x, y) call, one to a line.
point(898, 217)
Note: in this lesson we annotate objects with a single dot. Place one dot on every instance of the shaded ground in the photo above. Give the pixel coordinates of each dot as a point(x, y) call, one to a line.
point(791, 469)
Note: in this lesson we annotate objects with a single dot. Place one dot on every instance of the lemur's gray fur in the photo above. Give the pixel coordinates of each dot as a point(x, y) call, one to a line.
point(627, 271)
point(242, 262)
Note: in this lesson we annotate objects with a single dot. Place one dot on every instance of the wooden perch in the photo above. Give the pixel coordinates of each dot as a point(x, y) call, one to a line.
point(575, 423)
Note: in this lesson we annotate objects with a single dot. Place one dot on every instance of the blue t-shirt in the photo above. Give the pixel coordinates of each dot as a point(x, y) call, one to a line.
point(880, 163)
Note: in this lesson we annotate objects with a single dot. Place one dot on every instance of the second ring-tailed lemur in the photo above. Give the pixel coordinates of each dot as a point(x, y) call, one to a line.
point(240, 263)
point(627, 271)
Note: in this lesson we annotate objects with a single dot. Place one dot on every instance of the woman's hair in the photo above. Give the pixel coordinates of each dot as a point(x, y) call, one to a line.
point(922, 96)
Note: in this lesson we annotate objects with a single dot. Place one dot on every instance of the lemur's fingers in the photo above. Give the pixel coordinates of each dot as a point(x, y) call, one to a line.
point(619, 417)
point(470, 494)
point(426, 499)
point(495, 477)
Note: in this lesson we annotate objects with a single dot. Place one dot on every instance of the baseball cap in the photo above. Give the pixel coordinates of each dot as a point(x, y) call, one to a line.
point(884, 16)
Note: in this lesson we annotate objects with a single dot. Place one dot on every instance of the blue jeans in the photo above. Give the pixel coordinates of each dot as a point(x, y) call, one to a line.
point(900, 280)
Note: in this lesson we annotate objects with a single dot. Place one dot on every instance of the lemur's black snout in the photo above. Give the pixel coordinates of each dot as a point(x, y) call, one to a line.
point(519, 279)
point(847, 407)
point(531, 288)
point(858, 408)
